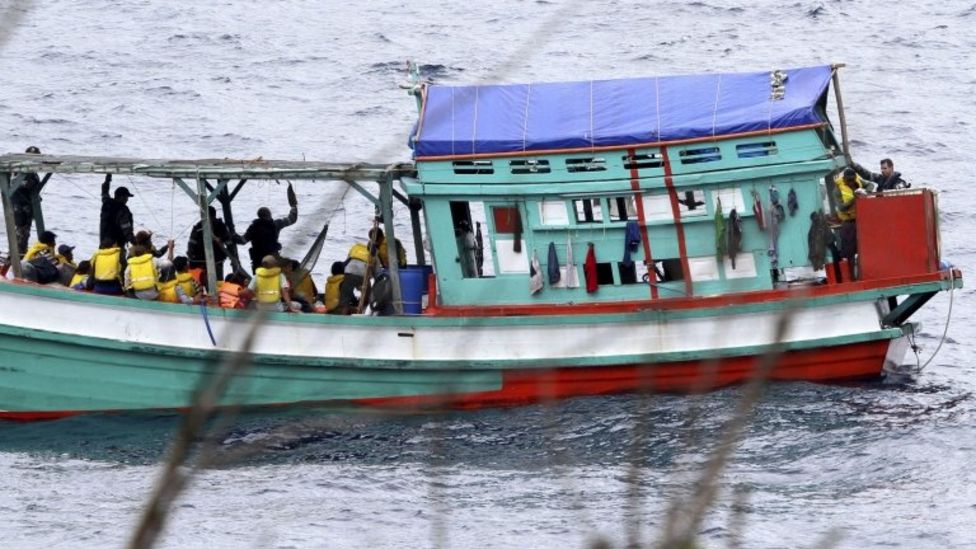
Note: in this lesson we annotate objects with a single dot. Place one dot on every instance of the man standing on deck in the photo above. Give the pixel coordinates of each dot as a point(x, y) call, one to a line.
point(887, 180)
point(22, 202)
point(116, 219)
point(263, 231)
point(195, 250)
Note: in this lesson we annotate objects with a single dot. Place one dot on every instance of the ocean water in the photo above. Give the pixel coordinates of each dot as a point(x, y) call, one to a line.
point(863, 466)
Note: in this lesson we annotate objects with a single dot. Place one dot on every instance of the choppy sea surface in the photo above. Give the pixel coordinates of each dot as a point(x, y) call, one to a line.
point(882, 464)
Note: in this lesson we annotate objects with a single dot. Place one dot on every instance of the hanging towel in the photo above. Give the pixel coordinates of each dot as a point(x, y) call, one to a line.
point(589, 270)
point(553, 265)
point(734, 236)
point(535, 275)
point(720, 244)
point(791, 202)
point(757, 211)
point(774, 204)
point(632, 240)
point(517, 229)
point(571, 279)
point(819, 239)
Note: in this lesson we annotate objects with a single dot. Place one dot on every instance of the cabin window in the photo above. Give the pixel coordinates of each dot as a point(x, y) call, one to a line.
point(604, 273)
point(473, 239)
point(668, 270)
point(627, 272)
point(692, 203)
point(590, 164)
point(553, 212)
point(752, 150)
point(529, 166)
point(473, 167)
point(588, 210)
point(701, 155)
point(643, 161)
point(623, 208)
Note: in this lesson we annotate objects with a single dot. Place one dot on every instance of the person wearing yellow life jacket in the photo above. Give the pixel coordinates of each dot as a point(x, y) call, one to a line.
point(333, 304)
point(355, 273)
point(141, 274)
point(106, 269)
point(40, 262)
point(270, 285)
point(233, 292)
point(79, 279)
point(177, 284)
point(378, 239)
point(303, 290)
point(847, 188)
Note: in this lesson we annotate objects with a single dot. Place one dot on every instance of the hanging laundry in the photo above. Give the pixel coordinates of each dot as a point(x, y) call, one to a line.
point(479, 252)
point(517, 230)
point(553, 265)
point(757, 210)
point(819, 240)
point(535, 275)
point(571, 278)
point(719, 230)
point(791, 202)
point(589, 270)
point(632, 241)
point(734, 236)
point(773, 218)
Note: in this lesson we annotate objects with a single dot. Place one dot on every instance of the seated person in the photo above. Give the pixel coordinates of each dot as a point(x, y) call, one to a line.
point(141, 274)
point(79, 279)
point(40, 261)
point(106, 269)
point(303, 289)
point(271, 286)
point(233, 292)
point(333, 304)
point(66, 263)
point(178, 285)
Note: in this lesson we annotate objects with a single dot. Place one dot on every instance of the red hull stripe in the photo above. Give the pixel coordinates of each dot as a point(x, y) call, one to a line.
point(838, 363)
point(641, 217)
point(679, 229)
point(684, 303)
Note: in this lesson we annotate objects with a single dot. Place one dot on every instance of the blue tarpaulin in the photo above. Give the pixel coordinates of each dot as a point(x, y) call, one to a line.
point(490, 119)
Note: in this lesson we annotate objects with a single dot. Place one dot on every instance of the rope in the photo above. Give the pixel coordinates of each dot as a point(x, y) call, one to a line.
point(945, 331)
point(82, 189)
point(206, 322)
point(172, 209)
point(144, 203)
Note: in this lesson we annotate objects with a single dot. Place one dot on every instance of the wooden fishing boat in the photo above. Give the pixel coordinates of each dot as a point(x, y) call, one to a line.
point(609, 260)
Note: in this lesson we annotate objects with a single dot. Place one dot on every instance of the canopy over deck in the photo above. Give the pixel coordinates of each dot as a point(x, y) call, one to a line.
point(203, 168)
point(552, 117)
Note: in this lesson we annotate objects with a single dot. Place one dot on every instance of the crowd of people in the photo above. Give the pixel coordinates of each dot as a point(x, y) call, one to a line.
point(127, 263)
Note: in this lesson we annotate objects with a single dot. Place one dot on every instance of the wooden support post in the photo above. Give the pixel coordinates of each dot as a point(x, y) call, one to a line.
point(226, 199)
point(207, 236)
point(845, 142)
point(8, 219)
point(418, 239)
point(386, 210)
point(36, 205)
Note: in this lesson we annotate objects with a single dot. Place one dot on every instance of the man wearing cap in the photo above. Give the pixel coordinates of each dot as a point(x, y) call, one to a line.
point(66, 263)
point(116, 219)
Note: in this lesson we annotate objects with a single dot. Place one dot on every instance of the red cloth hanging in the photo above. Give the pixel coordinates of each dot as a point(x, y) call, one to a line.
point(589, 270)
point(757, 211)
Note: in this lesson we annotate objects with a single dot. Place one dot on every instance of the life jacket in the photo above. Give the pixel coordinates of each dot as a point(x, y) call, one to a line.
point(268, 284)
point(167, 291)
point(847, 197)
point(384, 255)
point(188, 282)
point(332, 292)
point(142, 273)
point(106, 264)
point(304, 287)
point(39, 248)
point(77, 279)
point(231, 296)
point(359, 252)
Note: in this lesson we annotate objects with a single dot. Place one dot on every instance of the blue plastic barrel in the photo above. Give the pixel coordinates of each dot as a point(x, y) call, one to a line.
point(413, 286)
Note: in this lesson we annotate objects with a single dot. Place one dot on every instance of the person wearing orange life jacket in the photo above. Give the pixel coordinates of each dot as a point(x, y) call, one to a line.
point(177, 284)
point(233, 292)
point(271, 286)
point(333, 303)
point(106, 269)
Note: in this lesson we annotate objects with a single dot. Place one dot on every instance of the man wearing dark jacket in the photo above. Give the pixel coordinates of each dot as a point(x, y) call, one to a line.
point(263, 231)
point(22, 202)
point(116, 219)
point(194, 246)
point(887, 180)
